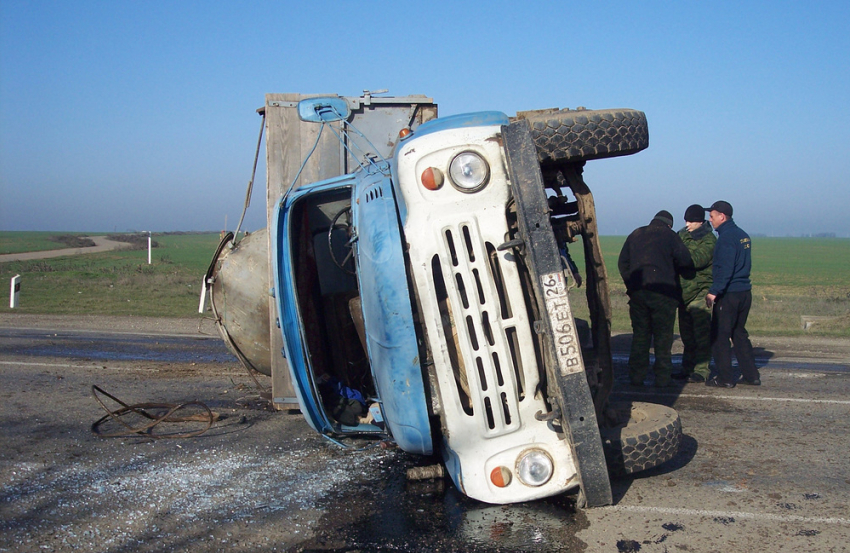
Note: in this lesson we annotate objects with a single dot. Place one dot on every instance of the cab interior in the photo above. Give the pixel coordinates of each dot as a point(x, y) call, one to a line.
point(328, 301)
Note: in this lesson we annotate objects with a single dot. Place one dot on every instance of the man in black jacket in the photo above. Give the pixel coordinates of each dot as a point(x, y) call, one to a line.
point(731, 296)
point(650, 263)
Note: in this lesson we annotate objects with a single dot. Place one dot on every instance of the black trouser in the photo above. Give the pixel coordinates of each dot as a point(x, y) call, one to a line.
point(728, 322)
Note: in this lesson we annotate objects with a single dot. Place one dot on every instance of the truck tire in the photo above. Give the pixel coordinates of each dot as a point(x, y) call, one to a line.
point(648, 435)
point(566, 136)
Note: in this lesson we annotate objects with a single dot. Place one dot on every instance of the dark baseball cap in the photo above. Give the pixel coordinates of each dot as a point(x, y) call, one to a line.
point(723, 207)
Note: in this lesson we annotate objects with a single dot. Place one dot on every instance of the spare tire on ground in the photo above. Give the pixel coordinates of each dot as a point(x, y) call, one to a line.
point(647, 435)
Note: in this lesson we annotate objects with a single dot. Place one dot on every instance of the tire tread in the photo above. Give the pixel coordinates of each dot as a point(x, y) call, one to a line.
point(639, 447)
point(566, 136)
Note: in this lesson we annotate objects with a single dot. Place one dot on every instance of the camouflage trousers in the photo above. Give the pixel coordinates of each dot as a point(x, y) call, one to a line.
point(695, 330)
point(653, 316)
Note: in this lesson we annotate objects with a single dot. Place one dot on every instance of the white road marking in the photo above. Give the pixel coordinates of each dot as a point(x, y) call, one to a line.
point(727, 514)
point(740, 398)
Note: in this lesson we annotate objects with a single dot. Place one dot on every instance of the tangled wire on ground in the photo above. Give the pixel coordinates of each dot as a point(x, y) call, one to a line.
point(151, 414)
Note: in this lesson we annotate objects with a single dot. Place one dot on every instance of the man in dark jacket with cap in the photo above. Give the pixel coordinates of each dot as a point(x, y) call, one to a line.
point(731, 296)
point(694, 315)
point(650, 262)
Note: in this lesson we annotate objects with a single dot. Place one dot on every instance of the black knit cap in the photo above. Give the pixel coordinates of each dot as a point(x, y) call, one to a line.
point(695, 214)
point(723, 207)
point(665, 217)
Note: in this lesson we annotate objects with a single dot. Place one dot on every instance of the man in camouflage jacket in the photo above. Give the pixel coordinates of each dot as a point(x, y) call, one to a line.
point(694, 314)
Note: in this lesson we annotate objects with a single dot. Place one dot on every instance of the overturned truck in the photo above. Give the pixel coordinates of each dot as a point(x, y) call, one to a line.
point(424, 295)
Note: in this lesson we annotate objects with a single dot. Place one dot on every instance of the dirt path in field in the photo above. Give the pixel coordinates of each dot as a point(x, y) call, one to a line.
point(101, 244)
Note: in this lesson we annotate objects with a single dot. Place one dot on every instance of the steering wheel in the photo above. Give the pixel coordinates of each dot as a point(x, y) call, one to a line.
point(347, 264)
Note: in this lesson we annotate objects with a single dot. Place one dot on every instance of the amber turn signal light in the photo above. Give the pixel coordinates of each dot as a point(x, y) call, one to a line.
point(500, 477)
point(432, 178)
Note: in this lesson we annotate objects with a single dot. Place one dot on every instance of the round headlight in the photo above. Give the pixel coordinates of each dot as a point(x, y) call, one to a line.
point(469, 172)
point(534, 468)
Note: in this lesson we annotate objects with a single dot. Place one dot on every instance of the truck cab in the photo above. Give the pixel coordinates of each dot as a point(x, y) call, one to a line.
point(424, 297)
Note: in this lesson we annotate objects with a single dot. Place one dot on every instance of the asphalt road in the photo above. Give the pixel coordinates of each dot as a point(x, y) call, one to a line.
point(761, 469)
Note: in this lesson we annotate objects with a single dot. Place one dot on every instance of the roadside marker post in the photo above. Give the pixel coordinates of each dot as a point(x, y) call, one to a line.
point(203, 302)
point(15, 292)
point(149, 247)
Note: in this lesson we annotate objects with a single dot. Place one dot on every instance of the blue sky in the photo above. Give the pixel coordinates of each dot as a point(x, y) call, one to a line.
point(118, 115)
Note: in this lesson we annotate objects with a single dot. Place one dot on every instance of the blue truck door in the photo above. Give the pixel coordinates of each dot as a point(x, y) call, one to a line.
point(388, 316)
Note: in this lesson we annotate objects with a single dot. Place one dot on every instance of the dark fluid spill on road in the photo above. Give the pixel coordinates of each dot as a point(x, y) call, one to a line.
point(628, 546)
point(672, 526)
point(164, 356)
point(169, 350)
point(764, 362)
point(397, 515)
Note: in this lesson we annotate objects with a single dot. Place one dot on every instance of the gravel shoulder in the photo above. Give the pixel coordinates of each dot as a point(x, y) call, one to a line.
point(104, 323)
point(252, 482)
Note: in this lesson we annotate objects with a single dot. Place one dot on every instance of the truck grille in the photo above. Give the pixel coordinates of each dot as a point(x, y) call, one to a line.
point(480, 326)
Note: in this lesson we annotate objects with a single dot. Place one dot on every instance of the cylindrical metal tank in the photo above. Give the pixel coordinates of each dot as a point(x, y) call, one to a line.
point(239, 296)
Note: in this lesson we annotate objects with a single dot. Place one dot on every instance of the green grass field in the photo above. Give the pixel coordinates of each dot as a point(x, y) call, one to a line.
point(112, 283)
point(792, 277)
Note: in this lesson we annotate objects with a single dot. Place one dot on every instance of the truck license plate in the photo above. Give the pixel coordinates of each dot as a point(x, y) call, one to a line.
point(564, 336)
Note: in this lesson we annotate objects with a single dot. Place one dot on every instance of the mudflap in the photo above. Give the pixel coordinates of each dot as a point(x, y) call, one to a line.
point(567, 382)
